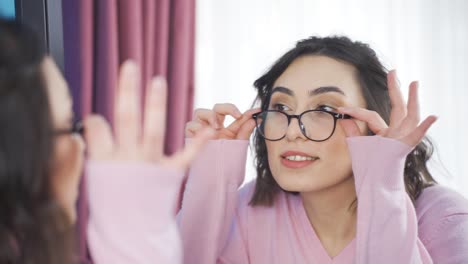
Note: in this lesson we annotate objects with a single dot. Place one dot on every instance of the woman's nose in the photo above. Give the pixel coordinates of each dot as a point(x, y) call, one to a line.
point(294, 130)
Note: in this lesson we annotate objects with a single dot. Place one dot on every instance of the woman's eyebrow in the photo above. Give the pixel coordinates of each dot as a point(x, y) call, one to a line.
point(314, 92)
point(281, 89)
point(326, 89)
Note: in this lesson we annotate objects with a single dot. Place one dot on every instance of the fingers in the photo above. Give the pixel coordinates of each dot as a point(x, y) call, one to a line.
point(154, 125)
point(191, 128)
point(246, 129)
point(126, 107)
point(98, 137)
point(227, 109)
point(206, 116)
point(404, 118)
point(350, 127)
point(215, 118)
point(417, 135)
point(413, 104)
point(237, 124)
point(397, 101)
point(222, 110)
point(411, 120)
point(374, 121)
point(182, 159)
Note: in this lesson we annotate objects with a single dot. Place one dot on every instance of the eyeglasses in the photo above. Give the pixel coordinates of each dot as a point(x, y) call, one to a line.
point(315, 125)
point(76, 128)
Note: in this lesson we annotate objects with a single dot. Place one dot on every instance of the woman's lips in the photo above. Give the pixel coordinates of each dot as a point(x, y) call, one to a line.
point(292, 164)
point(296, 160)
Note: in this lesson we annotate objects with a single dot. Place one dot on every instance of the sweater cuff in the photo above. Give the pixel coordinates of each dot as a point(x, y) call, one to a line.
point(380, 161)
point(132, 192)
point(220, 160)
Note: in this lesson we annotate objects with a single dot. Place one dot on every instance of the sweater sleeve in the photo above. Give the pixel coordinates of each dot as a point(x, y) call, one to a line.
point(443, 224)
point(449, 243)
point(132, 213)
point(387, 229)
point(208, 211)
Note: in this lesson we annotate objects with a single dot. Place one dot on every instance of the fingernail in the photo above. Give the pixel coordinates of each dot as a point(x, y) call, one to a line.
point(130, 65)
point(158, 81)
point(238, 114)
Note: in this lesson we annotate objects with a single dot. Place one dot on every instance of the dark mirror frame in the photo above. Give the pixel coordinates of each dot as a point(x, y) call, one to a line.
point(44, 16)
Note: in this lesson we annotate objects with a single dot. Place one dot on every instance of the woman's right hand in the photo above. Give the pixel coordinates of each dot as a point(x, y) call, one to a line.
point(241, 128)
point(139, 135)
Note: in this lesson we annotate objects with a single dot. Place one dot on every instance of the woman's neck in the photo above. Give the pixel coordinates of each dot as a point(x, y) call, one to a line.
point(332, 214)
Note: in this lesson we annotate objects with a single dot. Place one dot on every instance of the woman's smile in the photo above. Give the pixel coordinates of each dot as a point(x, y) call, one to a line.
point(297, 160)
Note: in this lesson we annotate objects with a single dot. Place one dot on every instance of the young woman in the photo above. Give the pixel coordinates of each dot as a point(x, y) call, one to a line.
point(341, 170)
point(132, 186)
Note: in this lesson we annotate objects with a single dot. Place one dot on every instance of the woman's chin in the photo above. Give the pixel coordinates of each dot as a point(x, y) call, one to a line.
point(298, 185)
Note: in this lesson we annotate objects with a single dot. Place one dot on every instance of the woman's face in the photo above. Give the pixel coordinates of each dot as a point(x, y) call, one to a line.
point(68, 148)
point(313, 82)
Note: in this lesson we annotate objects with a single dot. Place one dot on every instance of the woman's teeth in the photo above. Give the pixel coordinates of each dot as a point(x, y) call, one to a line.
point(299, 158)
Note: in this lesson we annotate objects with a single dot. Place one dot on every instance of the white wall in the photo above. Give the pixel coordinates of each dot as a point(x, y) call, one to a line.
point(425, 40)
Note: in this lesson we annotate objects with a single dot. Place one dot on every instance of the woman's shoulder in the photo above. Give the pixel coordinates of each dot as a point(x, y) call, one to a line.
point(441, 210)
point(440, 200)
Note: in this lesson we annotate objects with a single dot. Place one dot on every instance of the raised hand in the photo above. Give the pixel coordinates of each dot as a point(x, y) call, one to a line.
point(137, 140)
point(405, 124)
point(241, 128)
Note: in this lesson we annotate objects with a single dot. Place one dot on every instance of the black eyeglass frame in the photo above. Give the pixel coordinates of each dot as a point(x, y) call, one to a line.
point(335, 116)
point(76, 128)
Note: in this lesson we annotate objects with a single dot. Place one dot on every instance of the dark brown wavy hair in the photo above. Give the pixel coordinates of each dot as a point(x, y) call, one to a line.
point(372, 76)
point(33, 227)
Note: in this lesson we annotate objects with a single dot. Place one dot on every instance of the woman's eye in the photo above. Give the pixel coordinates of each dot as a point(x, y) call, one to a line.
point(280, 107)
point(326, 108)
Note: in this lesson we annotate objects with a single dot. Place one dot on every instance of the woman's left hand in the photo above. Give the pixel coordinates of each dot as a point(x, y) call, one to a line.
point(405, 124)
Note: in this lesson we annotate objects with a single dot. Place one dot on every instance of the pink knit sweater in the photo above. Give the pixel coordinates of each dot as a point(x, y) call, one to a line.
point(218, 226)
point(131, 218)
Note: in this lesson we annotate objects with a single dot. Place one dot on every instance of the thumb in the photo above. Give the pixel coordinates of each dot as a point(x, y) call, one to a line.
point(182, 159)
point(246, 129)
point(350, 127)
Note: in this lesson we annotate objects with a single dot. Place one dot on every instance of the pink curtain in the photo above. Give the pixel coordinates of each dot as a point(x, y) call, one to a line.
point(100, 34)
